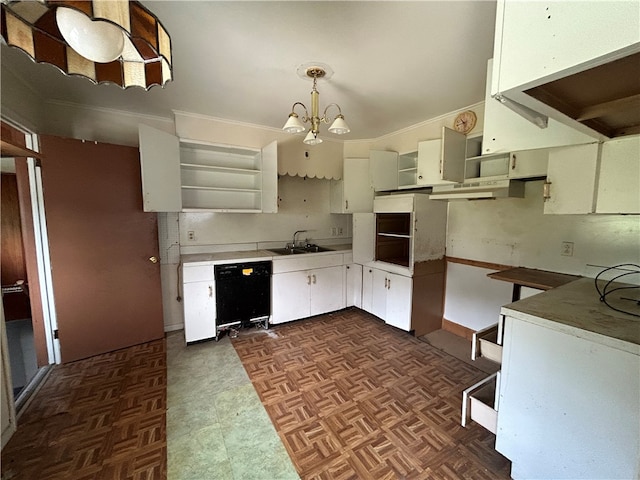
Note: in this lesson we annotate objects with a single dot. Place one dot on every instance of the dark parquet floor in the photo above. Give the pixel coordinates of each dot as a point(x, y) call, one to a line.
point(100, 418)
point(353, 398)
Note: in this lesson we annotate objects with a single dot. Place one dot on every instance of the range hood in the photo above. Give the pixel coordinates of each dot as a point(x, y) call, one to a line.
point(478, 189)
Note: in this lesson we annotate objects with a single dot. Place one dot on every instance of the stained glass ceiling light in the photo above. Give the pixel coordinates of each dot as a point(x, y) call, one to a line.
point(114, 41)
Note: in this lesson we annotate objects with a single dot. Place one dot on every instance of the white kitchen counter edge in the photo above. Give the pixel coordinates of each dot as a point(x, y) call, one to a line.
point(220, 258)
point(572, 330)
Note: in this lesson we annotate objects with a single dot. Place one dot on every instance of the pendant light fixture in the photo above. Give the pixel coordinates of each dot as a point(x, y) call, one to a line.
point(295, 124)
point(115, 41)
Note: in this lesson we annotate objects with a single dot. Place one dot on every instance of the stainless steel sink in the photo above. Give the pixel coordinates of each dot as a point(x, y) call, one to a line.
point(299, 250)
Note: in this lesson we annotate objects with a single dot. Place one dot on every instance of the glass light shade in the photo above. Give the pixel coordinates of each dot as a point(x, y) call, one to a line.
point(339, 126)
point(96, 40)
point(312, 139)
point(293, 125)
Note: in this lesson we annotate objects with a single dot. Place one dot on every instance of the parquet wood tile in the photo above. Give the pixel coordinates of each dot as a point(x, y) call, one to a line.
point(352, 398)
point(99, 418)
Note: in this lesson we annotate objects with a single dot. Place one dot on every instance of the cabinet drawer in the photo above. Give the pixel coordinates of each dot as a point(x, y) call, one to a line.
point(480, 403)
point(485, 344)
point(197, 273)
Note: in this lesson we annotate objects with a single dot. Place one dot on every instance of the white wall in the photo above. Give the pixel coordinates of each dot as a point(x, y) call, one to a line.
point(515, 232)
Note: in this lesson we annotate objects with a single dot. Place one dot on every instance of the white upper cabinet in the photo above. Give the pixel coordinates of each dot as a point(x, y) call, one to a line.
point(384, 170)
point(354, 193)
point(595, 178)
point(506, 131)
point(441, 161)
point(619, 178)
point(571, 179)
point(188, 175)
point(574, 61)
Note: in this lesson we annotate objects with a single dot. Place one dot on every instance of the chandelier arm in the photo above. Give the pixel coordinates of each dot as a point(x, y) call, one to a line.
point(326, 119)
point(306, 118)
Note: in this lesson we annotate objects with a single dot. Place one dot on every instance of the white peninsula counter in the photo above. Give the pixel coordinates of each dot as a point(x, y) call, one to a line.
point(569, 401)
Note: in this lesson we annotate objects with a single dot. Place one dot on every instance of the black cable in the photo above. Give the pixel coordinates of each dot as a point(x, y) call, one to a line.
point(604, 292)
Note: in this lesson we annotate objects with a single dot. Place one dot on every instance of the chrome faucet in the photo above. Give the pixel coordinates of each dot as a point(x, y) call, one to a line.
point(293, 244)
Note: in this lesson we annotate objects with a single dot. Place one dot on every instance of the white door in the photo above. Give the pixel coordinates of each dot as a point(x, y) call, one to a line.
point(199, 310)
point(529, 163)
point(290, 296)
point(379, 298)
point(270, 178)
point(454, 149)
point(327, 292)
point(572, 174)
point(399, 301)
point(358, 193)
point(384, 170)
point(367, 289)
point(364, 233)
point(160, 169)
point(619, 176)
point(353, 278)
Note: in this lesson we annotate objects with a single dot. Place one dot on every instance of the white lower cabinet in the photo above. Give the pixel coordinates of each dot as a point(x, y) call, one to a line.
point(304, 293)
point(387, 296)
point(199, 300)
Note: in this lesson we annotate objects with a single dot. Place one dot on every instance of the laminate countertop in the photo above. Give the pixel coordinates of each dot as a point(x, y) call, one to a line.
point(575, 308)
point(248, 256)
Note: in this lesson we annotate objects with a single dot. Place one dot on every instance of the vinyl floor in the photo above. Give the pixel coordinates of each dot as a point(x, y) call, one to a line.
point(353, 398)
point(102, 418)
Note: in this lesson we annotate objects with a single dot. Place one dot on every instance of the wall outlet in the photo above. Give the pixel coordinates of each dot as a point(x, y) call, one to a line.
point(566, 249)
point(191, 235)
point(339, 231)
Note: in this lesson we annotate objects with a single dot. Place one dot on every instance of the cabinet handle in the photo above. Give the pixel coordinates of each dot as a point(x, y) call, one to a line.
point(385, 282)
point(314, 279)
point(389, 285)
point(513, 161)
point(308, 279)
point(210, 291)
point(419, 177)
point(346, 204)
point(546, 190)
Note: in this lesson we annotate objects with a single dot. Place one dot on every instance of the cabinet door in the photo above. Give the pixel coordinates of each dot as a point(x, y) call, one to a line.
point(367, 289)
point(619, 178)
point(327, 292)
point(572, 176)
point(379, 293)
point(160, 170)
point(354, 285)
point(358, 193)
point(399, 290)
point(384, 170)
point(290, 296)
point(441, 161)
point(270, 178)
point(364, 233)
point(199, 310)
point(528, 163)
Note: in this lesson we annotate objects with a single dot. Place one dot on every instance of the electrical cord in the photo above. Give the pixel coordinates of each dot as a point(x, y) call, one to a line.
point(605, 291)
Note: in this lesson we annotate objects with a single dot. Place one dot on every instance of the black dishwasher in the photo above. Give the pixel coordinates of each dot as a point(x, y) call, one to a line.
point(243, 294)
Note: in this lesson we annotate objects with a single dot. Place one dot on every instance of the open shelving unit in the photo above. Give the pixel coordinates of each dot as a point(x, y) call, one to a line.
point(220, 178)
point(393, 238)
point(407, 170)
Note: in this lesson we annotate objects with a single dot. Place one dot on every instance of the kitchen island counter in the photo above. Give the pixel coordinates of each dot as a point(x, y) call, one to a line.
point(575, 308)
